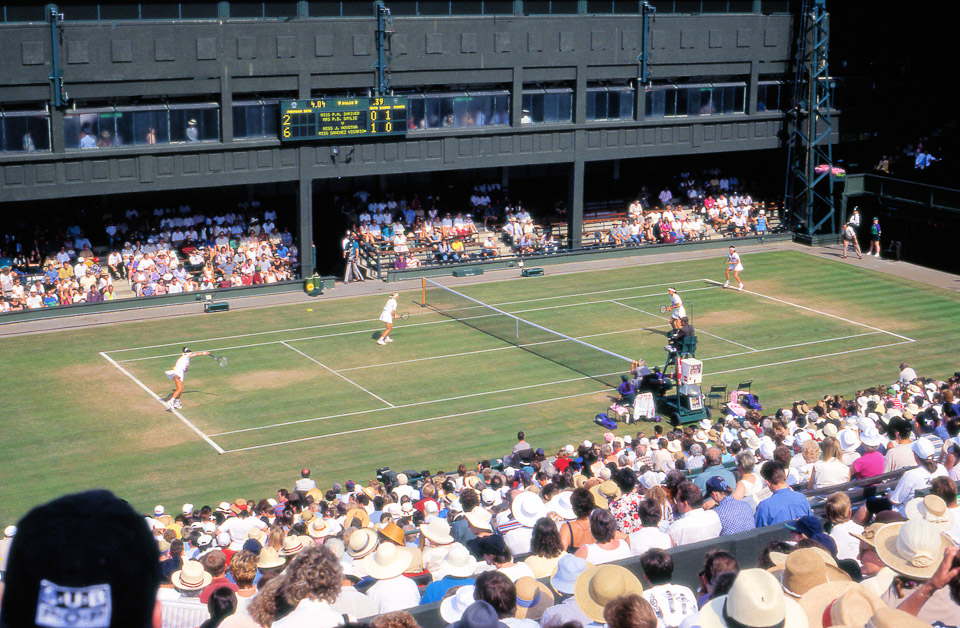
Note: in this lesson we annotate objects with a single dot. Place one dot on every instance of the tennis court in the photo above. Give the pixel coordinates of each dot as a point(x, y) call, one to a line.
point(547, 345)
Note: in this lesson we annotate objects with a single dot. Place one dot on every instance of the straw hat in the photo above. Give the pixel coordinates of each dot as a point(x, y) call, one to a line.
point(579, 481)
point(362, 542)
point(356, 517)
point(887, 617)
point(598, 586)
point(292, 545)
point(479, 518)
point(533, 598)
point(438, 531)
point(394, 533)
point(453, 607)
point(751, 439)
point(755, 600)
point(841, 603)
point(459, 562)
point(389, 561)
point(269, 559)
point(700, 436)
point(804, 569)
point(913, 549)
point(930, 508)
point(605, 493)
point(319, 528)
point(527, 508)
point(192, 577)
point(868, 533)
point(673, 447)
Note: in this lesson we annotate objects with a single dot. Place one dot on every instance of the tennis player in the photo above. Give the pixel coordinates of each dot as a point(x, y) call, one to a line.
point(676, 306)
point(389, 311)
point(733, 263)
point(178, 373)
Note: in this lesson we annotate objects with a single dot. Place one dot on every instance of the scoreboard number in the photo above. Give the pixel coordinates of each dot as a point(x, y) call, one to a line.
point(332, 118)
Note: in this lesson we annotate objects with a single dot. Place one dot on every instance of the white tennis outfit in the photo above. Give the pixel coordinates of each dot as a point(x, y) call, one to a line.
point(675, 300)
point(389, 310)
point(180, 368)
point(733, 261)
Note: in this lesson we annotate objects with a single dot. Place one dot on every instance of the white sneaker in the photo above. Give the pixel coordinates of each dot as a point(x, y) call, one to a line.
point(381, 342)
point(726, 285)
point(740, 287)
point(389, 339)
point(177, 405)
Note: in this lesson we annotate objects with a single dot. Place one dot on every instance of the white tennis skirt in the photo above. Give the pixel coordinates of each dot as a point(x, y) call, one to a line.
point(172, 374)
point(736, 267)
point(386, 317)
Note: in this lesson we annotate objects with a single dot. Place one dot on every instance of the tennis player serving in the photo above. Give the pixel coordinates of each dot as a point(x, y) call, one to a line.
point(676, 306)
point(733, 263)
point(389, 311)
point(178, 373)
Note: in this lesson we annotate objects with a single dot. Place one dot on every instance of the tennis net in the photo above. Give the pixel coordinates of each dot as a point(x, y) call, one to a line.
point(582, 357)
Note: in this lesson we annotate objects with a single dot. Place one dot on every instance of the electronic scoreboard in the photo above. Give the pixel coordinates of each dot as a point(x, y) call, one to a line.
point(330, 118)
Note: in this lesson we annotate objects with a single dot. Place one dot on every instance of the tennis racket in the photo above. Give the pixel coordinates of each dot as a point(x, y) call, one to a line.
point(222, 361)
point(404, 316)
point(663, 309)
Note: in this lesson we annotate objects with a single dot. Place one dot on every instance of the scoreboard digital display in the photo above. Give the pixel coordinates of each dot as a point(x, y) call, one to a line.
point(331, 118)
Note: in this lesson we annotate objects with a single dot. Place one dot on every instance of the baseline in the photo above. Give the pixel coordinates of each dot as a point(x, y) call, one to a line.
point(343, 377)
point(176, 412)
point(810, 309)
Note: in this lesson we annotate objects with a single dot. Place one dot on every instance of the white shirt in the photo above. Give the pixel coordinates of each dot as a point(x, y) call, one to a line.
point(914, 479)
point(848, 546)
point(828, 473)
point(733, 259)
point(394, 594)
point(671, 603)
point(388, 311)
point(649, 538)
point(907, 375)
point(694, 526)
point(312, 613)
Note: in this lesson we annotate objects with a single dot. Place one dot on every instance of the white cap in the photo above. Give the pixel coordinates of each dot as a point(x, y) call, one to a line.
point(158, 511)
point(223, 539)
point(9, 531)
point(587, 444)
point(569, 449)
point(204, 539)
point(187, 509)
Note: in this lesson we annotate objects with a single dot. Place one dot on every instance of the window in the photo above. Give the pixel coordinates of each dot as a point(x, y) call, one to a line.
point(547, 106)
point(695, 100)
point(26, 131)
point(550, 7)
point(609, 103)
point(458, 110)
point(141, 126)
point(768, 96)
point(254, 120)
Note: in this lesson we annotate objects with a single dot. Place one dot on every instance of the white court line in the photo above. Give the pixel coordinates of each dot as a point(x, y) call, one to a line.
point(812, 357)
point(810, 309)
point(370, 320)
point(414, 404)
point(699, 330)
point(391, 425)
point(457, 355)
point(343, 377)
point(176, 412)
point(799, 344)
point(367, 331)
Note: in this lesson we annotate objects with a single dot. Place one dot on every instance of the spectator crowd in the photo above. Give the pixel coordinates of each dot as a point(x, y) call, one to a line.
point(167, 251)
point(532, 539)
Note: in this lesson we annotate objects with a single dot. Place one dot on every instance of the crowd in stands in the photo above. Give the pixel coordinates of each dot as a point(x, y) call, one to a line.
point(534, 540)
point(166, 251)
point(713, 201)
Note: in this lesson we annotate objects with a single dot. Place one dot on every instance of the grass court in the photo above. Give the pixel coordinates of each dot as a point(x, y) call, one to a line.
point(308, 385)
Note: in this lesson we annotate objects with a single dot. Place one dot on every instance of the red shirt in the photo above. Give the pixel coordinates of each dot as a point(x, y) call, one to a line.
point(214, 585)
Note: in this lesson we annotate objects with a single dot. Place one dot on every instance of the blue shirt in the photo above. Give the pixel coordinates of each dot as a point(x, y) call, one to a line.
point(735, 516)
point(784, 505)
point(436, 590)
point(709, 472)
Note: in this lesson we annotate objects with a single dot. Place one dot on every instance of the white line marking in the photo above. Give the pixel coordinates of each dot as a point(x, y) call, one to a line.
point(414, 404)
point(812, 357)
point(699, 330)
point(799, 344)
point(370, 320)
point(343, 377)
point(176, 412)
point(391, 425)
point(810, 309)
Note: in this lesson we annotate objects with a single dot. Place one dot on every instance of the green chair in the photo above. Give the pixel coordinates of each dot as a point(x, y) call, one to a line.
point(717, 395)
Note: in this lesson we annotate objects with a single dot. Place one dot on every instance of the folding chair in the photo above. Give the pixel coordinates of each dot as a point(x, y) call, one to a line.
point(745, 385)
point(717, 394)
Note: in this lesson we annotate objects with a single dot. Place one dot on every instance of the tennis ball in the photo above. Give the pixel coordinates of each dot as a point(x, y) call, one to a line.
point(309, 309)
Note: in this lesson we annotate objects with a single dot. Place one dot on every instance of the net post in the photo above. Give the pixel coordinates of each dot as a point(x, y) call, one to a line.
point(423, 292)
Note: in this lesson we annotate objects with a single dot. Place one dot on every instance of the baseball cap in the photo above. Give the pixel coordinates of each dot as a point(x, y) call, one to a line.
point(807, 525)
point(82, 559)
point(717, 483)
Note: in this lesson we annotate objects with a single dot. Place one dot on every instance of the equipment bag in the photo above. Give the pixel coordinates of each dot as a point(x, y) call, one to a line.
point(603, 420)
